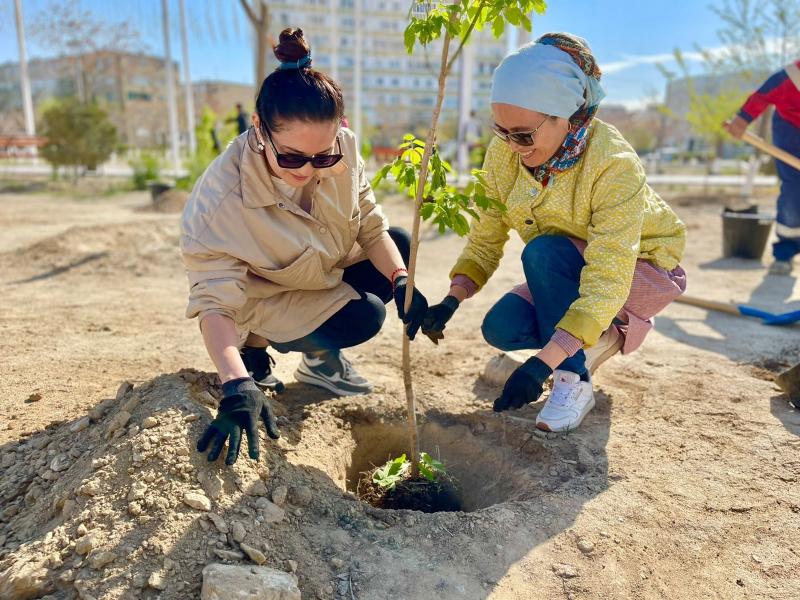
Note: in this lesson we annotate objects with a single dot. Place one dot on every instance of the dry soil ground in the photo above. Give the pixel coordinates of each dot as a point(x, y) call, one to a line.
point(682, 483)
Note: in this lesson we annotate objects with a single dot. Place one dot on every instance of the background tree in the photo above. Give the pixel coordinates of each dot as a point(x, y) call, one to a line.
point(78, 35)
point(257, 13)
point(78, 135)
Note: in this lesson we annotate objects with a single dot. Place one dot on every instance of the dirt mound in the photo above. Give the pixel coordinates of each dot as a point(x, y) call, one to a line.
point(140, 248)
point(117, 504)
point(170, 201)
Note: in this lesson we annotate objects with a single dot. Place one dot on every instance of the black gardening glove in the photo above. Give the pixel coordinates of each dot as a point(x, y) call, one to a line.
point(241, 406)
point(416, 313)
point(437, 317)
point(524, 386)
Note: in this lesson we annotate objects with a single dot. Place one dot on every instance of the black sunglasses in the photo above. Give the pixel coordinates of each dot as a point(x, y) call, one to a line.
point(296, 161)
point(521, 138)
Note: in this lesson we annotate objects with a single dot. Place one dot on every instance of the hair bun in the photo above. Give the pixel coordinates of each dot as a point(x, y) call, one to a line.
point(291, 46)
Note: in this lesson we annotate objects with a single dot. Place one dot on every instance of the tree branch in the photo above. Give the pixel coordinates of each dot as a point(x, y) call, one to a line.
point(466, 36)
point(249, 10)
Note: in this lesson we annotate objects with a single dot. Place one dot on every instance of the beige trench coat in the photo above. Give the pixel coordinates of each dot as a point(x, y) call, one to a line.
point(257, 257)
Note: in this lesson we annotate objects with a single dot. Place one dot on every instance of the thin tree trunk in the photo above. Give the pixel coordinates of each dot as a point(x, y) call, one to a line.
point(412, 262)
point(260, 25)
point(262, 45)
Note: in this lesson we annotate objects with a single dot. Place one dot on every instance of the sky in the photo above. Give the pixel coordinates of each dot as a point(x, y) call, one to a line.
point(628, 37)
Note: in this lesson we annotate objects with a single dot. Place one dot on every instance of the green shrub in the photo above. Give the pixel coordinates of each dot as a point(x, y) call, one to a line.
point(146, 167)
point(78, 135)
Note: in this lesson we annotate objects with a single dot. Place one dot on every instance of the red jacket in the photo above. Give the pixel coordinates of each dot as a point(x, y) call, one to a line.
point(778, 90)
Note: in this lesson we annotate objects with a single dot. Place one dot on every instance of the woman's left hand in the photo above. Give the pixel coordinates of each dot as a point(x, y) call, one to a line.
point(419, 305)
point(524, 386)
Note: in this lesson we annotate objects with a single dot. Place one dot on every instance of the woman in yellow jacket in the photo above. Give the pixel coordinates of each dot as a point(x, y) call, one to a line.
point(285, 246)
point(602, 249)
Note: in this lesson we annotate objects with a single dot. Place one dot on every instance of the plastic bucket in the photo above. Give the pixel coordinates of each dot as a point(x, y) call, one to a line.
point(745, 234)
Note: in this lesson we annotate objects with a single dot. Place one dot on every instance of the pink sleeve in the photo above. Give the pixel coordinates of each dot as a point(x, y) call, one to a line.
point(567, 342)
point(466, 283)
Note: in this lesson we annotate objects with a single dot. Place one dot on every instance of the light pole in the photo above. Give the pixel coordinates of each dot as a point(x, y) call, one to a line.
point(24, 79)
point(171, 110)
point(357, 87)
point(187, 80)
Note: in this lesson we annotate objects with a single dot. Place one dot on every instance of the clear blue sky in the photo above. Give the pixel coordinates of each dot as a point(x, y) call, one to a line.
point(627, 36)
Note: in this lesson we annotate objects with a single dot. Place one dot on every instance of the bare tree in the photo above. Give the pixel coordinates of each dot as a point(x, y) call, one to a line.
point(81, 38)
point(258, 14)
point(759, 36)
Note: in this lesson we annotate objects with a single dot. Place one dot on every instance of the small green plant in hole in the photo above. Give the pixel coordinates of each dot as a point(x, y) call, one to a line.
point(395, 470)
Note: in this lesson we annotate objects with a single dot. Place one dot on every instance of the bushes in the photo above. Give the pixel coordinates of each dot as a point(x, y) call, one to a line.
point(146, 167)
point(78, 135)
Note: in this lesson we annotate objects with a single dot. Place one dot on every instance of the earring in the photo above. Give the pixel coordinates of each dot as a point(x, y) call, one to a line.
point(260, 147)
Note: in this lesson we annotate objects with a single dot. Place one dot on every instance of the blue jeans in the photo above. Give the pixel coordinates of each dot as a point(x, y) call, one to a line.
point(552, 266)
point(787, 136)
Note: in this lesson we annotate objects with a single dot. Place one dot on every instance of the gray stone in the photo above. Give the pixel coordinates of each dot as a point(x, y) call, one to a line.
point(254, 554)
point(565, 571)
point(231, 555)
point(219, 522)
point(238, 532)
point(149, 422)
point(117, 423)
point(301, 496)
point(500, 367)
point(59, 463)
point(197, 500)
point(124, 388)
point(279, 495)
point(137, 491)
point(23, 580)
point(85, 544)
point(99, 559)
point(585, 546)
point(269, 511)
point(79, 425)
point(156, 581)
point(211, 484)
point(223, 582)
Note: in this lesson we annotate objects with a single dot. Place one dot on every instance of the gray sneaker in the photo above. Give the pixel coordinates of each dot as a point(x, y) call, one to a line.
point(781, 267)
point(332, 371)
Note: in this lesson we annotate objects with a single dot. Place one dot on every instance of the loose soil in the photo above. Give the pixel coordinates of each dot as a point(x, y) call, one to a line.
point(681, 483)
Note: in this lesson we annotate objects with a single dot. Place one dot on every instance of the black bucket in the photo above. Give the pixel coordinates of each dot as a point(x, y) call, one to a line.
point(745, 233)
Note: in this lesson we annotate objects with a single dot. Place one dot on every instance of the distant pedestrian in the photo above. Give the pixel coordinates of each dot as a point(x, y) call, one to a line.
point(782, 90)
point(242, 123)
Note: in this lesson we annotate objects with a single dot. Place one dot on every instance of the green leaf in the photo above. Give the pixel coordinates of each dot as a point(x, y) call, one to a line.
point(409, 38)
point(498, 26)
point(429, 468)
point(426, 210)
point(390, 474)
point(381, 175)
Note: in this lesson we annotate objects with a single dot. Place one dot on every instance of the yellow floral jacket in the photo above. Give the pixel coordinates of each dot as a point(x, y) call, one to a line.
point(604, 200)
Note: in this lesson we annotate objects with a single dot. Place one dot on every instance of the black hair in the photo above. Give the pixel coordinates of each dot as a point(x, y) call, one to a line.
point(297, 94)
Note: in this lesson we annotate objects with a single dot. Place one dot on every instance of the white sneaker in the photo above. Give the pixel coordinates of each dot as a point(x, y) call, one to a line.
point(607, 346)
point(569, 402)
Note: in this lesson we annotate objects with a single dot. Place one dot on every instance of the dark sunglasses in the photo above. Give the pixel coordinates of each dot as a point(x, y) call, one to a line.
point(296, 161)
point(521, 138)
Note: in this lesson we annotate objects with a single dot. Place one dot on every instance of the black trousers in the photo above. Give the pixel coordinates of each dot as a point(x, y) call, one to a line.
point(358, 320)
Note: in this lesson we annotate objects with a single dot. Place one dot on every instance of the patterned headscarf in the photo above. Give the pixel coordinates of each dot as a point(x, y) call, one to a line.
point(577, 137)
point(556, 75)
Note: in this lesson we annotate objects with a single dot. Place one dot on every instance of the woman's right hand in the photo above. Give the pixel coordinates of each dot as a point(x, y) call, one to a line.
point(242, 405)
point(736, 126)
point(437, 316)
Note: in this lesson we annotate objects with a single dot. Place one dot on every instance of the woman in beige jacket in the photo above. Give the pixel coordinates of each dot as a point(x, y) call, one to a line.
point(285, 246)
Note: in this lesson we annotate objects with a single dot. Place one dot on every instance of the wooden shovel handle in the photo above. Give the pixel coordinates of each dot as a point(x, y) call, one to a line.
point(782, 155)
point(731, 309)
